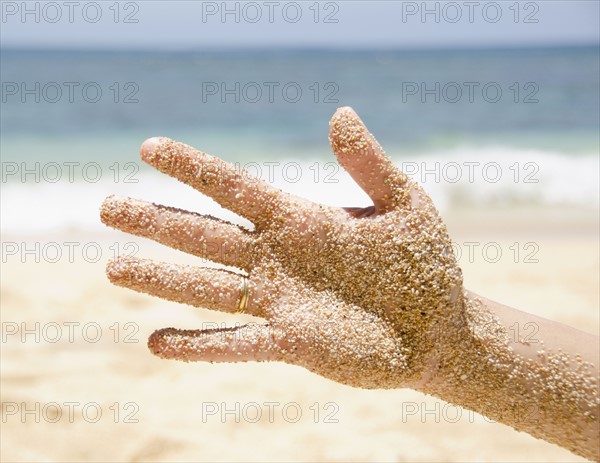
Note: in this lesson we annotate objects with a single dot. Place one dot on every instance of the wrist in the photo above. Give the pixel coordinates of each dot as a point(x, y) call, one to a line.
point(548, 394)
point(452, 339)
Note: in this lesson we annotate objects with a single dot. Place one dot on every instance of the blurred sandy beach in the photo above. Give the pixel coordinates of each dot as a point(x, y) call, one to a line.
point(156, 410)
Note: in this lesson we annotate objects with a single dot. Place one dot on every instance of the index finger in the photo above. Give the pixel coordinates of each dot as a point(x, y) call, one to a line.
point(231, 187)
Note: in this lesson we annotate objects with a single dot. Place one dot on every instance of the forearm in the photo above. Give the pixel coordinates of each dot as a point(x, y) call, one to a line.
point(533, 374)
point(528, 334)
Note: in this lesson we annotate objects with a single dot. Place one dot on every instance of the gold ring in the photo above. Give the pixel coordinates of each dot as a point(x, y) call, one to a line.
point(244, 295)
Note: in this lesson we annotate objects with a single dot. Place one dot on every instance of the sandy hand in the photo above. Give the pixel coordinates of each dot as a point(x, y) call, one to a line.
point(364, 296)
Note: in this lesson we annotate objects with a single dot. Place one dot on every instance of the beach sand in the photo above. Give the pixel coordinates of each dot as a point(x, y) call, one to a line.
point(156, 410)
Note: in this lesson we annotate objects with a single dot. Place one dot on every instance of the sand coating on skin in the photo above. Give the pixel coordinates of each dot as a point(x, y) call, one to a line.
point(372, 302)
point(552, 397)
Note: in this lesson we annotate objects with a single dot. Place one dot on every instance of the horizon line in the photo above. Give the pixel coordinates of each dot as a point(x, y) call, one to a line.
point(303, 48)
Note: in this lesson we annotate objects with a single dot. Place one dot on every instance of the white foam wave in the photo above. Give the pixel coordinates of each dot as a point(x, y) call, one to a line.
point(493, 175)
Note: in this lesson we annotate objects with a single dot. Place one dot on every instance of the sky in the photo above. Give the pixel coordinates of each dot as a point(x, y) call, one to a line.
point(185, 25)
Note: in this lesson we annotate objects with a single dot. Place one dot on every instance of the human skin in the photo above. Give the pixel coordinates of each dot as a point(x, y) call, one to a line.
point(370, 297)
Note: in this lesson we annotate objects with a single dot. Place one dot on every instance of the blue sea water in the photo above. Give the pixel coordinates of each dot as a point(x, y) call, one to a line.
point(537, 106)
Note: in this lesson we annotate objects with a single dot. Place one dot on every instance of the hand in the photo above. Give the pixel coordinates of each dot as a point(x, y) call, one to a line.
point(363, 296)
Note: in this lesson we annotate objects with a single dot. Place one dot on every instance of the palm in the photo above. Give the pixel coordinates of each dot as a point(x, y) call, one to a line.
point(345, 292)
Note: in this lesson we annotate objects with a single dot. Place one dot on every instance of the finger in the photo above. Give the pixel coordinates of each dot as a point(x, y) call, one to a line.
point(195, 234)
point(246, 343)
point(236, 190)
point(201, 287)
point(364, 159)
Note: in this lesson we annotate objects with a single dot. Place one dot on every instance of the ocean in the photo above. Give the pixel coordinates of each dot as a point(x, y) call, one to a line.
point(485, 127)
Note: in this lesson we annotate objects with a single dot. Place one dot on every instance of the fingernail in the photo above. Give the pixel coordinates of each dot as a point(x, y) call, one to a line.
point(120, 268)
point(158, 343)
point(345, 110)
point(149, 148)
point(109, 209)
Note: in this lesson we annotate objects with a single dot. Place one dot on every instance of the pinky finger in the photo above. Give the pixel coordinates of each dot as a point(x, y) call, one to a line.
point(247, 343)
